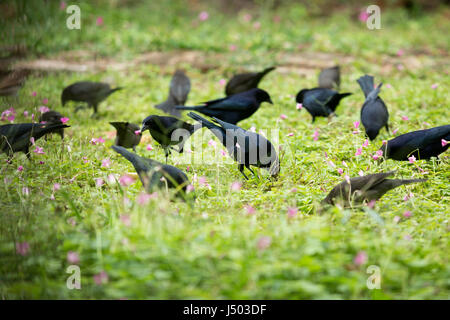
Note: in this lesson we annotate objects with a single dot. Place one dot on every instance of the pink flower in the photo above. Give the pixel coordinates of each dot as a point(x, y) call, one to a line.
point(356, 124)
point(236, 186)
point(316, 135)
point(111, 178)
point(202, 181)
point(263, 242)
point(331, 163)
point(394, 131)
point(366, 143)
point(20, 168)
point(85, 160)
point(358, 152)
point(137, 132)
point(434, 86)
point(9, 114)
point(290, 134)
point(41, 162)
point(294, 190)
point(396, 219)
point(143, 198)
point(388, 86)
point(384, 142)
point(344, 164)
point(363, 16)
point(371, 204)
point(222, 82)
point(250, 210)
point(25, 113)
point(232, 47)
point(247, 17)
point(407, 214)
point(283, 116)
point(125, 180)
point(347, 178)
point(73, 257)
point(106, 163)
point(190, 188)
point(360, 258)
point(212, 143)
point(405, 118)
point(99, 21)
point(95, 141)
point(126, 220)
point(400, 52)
point(299, 106)
point(292, 212)
point(64, 119)
point(149, 147)
point(43, 109)
point(203, 16)
point(101, 278)
point(223, 153)
point(39, 150)
point(45, 101)
point(99, 182)
point(408, 196)
point(34, 93)
point(361, 173)
point(444, 142)
point(56, 187)
point(412, 159)
point(340, 170)
point(400, 67)
point(22, 248)
point(377, 155)
point(257, 25)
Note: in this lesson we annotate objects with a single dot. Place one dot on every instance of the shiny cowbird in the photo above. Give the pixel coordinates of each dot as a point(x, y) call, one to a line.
point(320, 102)
point(53, 117)
point(246, 147)
point(155, 175)
point(128, 134)
point(330, 78)
point(374, 113)
point(422, 144)
point(168, 131)
point(180, 85)
point(17, 137)
point(365, 188)
point(87, 91)
point(234, 108)
point(245, 81)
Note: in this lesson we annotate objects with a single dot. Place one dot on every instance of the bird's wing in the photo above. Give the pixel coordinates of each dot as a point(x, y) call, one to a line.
point(230, 104)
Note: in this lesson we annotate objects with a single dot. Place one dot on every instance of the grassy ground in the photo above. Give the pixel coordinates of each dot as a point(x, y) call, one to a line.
point(219, 248)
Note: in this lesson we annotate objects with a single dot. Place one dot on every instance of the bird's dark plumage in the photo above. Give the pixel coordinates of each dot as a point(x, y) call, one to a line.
point(320, 102)
point(87, 91)
point(330, 78)
point(126, 134)
point(422, 144)
point(180, 85)
point(246, 147)
point(245, 81)
point(53, 117)
point(151, 172)
point(374, 113)
point(234, 108)
point(16, 137)
point(168, 131)
point(366, 188)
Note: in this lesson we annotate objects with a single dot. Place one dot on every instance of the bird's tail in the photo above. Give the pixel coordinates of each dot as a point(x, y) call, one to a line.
point(366, 84)
point(334, 102)
point(136, 160)
point(266, 71)
point(203, 121)
point(118, 125)
point(41, 130)
point(400, 182)
point(115, 89)
point(188, 108)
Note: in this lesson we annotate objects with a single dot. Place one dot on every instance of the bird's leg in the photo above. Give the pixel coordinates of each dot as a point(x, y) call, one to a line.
point(313, 119)
point(166, 153)
point(134, 148)
point(79, 108)
point(95, 106)
point(387, 128)
point(241, 169)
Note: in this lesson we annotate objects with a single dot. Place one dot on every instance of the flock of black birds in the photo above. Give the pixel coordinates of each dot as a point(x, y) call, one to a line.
point(247, 148)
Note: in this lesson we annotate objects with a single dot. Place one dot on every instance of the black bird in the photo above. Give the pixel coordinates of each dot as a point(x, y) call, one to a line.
point(330, 78)
point(16, 137)
point(366, 188)
point(422, 144)
point(154, 174)
point(128, 134)
point(53, 117)
point(320, 102)
point(245, 81)
point(234, 108)
point(374, 114)
point(86, 91)
point(168, 131)
point(180, 85)
point(246, 147)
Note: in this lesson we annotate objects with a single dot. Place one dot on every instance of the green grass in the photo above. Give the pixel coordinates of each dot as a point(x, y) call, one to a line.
point(174, 251)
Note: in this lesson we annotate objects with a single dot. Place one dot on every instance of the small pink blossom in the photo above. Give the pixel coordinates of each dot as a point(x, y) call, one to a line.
point(232, 47)
point(73, 257)
point(400, 52)
point(444, 142)
point(412, 159)
point(358, 152)
point(126, 220)
point(125, 180)
point(407, 214)
point(316, 135)
point(299, 106)
point(64, 119)
point(290, 134)
point(106, 163)
point(344, 164)
point(388, 86)
point(45, 101)
point(101, 278)
point(111, 178)
point(96, 141)
point(384, 142)
point(371, 204)
point(405, 118)
point(408, 196)
point(293, 190)
point(25, 113)
point(143, 198)
point(99, 182)
point(292, 212)
point(137, 132)
point(222, 82)
point(283, 116)
point(223, 153)
point(202, 181)
point(34, 93)
point(149, 147)
point(434, 86)
point(394, 131)
point(8, 114)
point(331, 163)
point(85, 160)
point(212, 143)
point(363, 16)
point(39, 150)
point(99, 21)
point(25, 191)
point(257, 25)
point(356, 124)
point(378, 154)
point(361, 173)
point(22, 248)
point(347, 178)
point(203, 16)
point(400, 67)
point(360, 258)
point(366, 143)
point(236, 186)
point(247, 17)
point(20, 168)
point(43, 109)
point(250, 210)
point(396, 219)
point(190, 188)
point(56, 187)
point(340, 170)
point(264, 242)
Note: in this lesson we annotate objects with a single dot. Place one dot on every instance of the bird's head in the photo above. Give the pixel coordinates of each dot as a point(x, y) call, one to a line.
point(263, 96)
point(299, 97)
point(148, 123)
point(65, 96)
point(372, 133)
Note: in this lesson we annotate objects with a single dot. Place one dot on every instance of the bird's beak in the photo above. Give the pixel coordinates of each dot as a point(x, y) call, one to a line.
point(270, 101)
point(144, 127)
